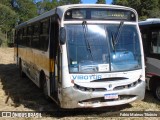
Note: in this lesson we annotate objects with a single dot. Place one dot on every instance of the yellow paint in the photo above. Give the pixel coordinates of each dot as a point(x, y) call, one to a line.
point(37, 59)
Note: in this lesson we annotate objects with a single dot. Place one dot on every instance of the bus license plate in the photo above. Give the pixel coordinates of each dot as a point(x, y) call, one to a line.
point(111, 96)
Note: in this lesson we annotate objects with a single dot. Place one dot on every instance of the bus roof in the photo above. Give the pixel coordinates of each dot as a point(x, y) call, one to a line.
point(60, 10)
point(150, 21)
point(65, 7)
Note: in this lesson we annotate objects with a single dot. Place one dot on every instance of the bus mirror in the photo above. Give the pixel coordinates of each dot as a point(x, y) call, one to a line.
point(62, 36)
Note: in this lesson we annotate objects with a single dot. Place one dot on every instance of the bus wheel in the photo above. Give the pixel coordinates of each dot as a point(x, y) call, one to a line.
point(157, 91)
point(21, 73)
point(44, 87)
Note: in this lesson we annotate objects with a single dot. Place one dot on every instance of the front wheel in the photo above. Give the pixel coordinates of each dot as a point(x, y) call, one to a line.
point(45, 87)
point(45, 90)
point(157, 91)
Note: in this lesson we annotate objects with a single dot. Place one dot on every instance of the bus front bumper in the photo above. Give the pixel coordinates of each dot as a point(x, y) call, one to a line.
point(73, 98)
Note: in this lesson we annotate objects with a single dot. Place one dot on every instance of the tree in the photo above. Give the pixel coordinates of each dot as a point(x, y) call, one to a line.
point(13, 11)
point(154, 13)
point(65, 2)
point(7, 18)
point(26, 9)
point(120, 2)
point(6, 2)
point(46, 5)
point(101, 2)
point(145, 9)
point(7, 22)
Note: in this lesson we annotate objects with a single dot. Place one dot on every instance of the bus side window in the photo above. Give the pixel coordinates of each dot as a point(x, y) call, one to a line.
point(35, 40)
point(155, 42)
point(56, 48)
point(144, 38)
point(24, 36)
point(20, 36)
point(29, 36)
point(44, 35)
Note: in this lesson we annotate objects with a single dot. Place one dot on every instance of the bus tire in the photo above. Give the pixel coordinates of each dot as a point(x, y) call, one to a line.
point(156, 91)
point(21, 73)
point(44, 86)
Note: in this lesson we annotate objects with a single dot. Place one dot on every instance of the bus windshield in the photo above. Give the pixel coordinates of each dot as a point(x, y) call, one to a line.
point(93, 48)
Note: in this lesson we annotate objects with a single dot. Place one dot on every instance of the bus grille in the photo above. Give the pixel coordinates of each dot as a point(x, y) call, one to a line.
point(128, 86)
point(87, 89)
point(101, 99)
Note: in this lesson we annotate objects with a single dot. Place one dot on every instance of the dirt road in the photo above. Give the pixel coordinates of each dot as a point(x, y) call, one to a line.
point(18, 94)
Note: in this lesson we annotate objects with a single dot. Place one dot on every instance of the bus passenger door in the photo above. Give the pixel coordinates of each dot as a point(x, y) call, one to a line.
point(54, 54)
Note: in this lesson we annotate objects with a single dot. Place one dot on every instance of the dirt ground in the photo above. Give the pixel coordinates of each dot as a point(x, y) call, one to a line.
point(18, 94)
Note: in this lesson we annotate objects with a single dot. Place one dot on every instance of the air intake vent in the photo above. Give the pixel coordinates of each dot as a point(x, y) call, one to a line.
point(87, 89)
point(110, 79)
point(128, 86)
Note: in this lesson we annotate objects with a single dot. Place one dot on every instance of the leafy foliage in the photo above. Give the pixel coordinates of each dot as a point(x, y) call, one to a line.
point(7, 18)
point(46, 5)
point(145, 8)
point(7, 22)
point(64, 2)
point(101, 2)
point(6, 2)
point(12, 12)
point(26, 9)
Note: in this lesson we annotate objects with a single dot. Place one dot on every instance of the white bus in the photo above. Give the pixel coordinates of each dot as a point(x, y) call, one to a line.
point(84, 55)
point(150, 30)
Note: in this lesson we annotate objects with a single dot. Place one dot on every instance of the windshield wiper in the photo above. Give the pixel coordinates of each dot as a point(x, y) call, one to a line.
point(113, 41)
point(118, 33)
point(85, 29)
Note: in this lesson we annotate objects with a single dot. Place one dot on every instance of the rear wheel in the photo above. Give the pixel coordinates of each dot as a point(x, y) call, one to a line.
point(157, 91)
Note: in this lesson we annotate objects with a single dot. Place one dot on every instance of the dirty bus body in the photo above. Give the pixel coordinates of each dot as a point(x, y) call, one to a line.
point(84, 55)
point(150, 30)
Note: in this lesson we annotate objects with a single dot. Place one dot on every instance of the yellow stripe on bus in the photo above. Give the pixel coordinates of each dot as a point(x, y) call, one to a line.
point(37, 59)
